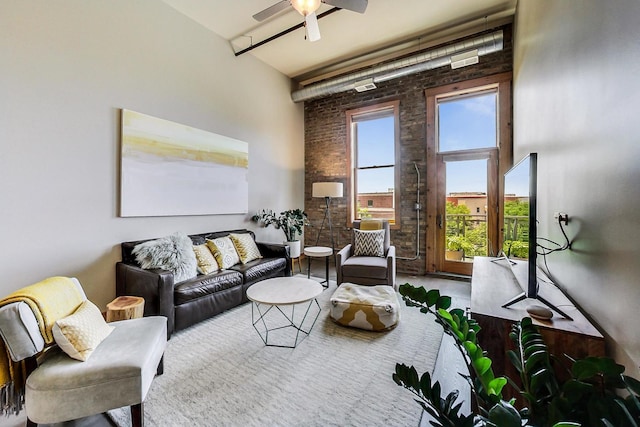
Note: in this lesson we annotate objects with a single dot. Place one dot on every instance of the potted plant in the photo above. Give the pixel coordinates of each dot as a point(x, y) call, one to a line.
point(455, 248)
point(291, 222)
point(592, 391)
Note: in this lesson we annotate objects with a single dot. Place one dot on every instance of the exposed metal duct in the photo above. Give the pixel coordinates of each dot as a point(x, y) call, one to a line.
point(428, 60)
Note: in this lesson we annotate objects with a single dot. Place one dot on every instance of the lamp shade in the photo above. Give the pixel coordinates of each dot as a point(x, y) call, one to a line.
point(326, 189)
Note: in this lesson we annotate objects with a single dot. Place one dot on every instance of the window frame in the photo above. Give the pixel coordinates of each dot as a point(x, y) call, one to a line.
point(503, 159)
point(378, 110)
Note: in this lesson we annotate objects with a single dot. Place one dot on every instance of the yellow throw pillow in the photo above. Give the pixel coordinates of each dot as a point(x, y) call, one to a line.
point(206, 262)
point(370, 224)
point(79, 334)
point(224, 252)
point(245, 246)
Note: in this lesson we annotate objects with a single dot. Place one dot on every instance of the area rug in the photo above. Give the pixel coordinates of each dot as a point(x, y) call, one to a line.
point(220, 373)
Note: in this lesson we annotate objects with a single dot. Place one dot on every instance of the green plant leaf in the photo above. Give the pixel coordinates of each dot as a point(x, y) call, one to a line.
point(567, 424)
point(432, 297)
point(425, 385)
point(496, 385)
point(470, 347)
point(482, 365)
point(443, 302)
point(515, 360)
point(504, 414)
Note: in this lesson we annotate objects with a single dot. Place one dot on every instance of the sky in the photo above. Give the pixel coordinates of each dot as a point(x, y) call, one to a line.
point(464, 123)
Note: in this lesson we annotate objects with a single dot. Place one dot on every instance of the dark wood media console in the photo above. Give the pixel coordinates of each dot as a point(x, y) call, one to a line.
point(493, 284)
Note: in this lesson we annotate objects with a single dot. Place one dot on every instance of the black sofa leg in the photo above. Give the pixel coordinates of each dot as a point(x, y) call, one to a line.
point(137, 415)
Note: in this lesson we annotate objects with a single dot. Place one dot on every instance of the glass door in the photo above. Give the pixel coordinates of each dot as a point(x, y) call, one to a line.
point(464, 197)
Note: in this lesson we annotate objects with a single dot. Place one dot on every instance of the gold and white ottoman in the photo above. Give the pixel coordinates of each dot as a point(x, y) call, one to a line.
point(374, 308)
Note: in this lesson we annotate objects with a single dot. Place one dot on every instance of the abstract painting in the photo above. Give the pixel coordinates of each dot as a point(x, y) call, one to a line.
point(172, 169)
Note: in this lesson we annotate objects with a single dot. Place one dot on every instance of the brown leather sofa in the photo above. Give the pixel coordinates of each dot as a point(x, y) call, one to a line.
point(197, 299)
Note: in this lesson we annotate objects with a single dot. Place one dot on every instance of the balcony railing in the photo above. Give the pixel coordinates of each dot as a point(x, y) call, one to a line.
point(468, 233)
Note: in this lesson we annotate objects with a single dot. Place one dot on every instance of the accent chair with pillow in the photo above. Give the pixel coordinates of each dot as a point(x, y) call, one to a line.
point(369, 259)
point(60, 357)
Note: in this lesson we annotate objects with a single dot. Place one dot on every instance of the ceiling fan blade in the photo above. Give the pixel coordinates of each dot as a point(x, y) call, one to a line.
point(271, 10)
point(354, 5)
point(313, 30)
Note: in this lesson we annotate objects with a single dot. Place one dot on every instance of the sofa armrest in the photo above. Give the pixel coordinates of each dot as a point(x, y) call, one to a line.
point(155, 286)
point(391, 267)
point(275, 250)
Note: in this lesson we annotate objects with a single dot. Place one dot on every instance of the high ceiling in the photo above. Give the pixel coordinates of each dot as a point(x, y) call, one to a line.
point(348, 38)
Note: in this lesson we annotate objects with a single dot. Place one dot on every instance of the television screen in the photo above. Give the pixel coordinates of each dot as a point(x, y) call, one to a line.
point(519, 228)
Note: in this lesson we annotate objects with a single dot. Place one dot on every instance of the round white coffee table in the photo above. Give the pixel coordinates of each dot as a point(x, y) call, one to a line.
point(279, 292)
point(318, 252)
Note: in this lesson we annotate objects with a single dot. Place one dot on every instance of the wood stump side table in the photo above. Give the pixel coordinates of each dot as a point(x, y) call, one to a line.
point(125, 307)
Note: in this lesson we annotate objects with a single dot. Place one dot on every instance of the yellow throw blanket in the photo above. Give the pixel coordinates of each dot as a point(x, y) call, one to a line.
point(50, 300)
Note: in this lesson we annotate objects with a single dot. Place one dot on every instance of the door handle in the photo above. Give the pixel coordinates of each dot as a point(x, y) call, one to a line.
point(439, 221)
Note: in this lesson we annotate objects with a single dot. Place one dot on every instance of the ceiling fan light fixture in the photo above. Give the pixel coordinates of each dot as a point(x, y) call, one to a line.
point(305, 7)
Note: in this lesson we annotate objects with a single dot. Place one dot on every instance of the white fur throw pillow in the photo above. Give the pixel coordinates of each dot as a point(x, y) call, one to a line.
point(173, 253)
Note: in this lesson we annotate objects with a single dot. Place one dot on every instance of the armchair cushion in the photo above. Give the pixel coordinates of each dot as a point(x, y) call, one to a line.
point(370, 267)
point(119, 373)
point(368, 243)
point(79, 334)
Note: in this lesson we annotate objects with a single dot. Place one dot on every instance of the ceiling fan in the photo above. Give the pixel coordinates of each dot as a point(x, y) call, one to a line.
point(307, 8)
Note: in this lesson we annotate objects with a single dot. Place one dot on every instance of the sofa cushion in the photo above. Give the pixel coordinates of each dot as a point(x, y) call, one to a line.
point(207, 264)
point(372, 267)
point(206, 285)
point(245, 247)
point(173, 253)
point(260, 268)
point(224, 252)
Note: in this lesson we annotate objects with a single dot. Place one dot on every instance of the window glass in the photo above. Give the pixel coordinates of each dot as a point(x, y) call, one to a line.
point(373, 171)
point(375, 142)
point(467, 122)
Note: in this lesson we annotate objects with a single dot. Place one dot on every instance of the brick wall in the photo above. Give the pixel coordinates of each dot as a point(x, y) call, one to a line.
point(326, 149)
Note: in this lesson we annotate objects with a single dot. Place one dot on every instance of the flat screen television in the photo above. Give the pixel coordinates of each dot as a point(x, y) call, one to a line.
point(520, 230)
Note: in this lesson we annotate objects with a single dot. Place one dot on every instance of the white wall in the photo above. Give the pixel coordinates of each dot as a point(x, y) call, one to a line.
point(576, 102)
point(66, 69)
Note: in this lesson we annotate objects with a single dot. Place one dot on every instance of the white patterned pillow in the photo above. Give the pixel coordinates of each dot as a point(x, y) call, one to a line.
point(224, 252)
point(368, 243)
point(173, 253)
point(79, 334)
point(245, 246)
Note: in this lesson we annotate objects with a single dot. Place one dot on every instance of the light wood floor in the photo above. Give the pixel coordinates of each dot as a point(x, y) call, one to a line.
point(459, 291)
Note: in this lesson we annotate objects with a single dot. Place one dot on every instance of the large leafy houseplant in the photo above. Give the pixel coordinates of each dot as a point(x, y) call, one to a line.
point(590, 396)
point(291, 222)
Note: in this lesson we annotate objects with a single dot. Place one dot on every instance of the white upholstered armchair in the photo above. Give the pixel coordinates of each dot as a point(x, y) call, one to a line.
point(59, 386)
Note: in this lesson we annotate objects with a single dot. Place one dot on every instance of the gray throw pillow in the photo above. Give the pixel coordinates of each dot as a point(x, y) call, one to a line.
point(368, 242)
point(173, 253)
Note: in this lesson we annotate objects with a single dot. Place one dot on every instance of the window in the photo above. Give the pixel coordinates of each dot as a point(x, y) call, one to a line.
point(467, 121)
point(373, 137)
point(468, 151)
